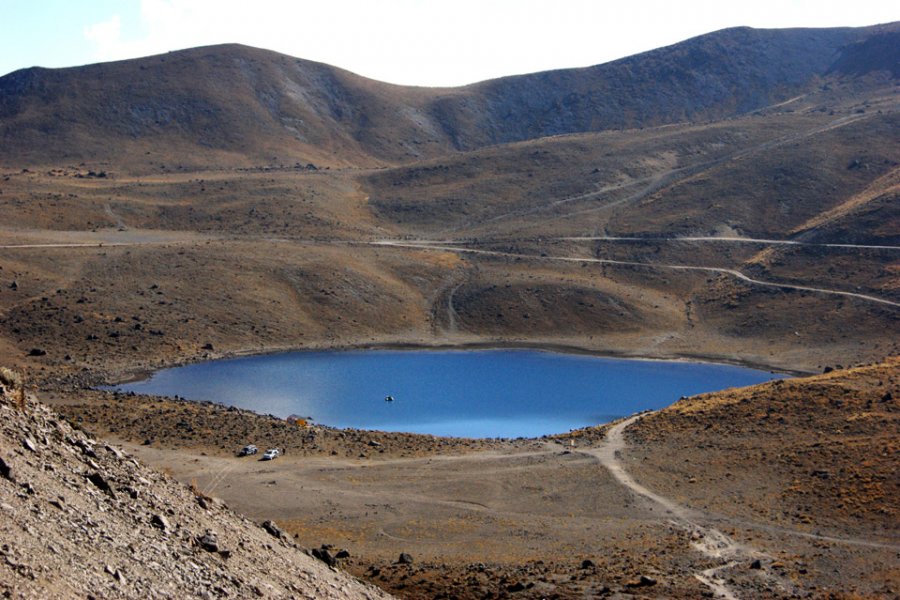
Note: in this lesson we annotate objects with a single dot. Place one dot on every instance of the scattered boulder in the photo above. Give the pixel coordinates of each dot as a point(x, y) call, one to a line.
point(644, 581)
point(6, 471)
point(37, 352)
point(324, 554)
point(98, 480)
point(160, 522)
point(822, 473)
point(28, 444)
point(756, 564)
point(86, 448)
point(587, 564)
point(209, 541)
point(114, 451)
point(404, 559)
point(273, 529)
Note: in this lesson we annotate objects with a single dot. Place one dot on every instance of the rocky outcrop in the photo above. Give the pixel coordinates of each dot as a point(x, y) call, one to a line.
point(83, 519)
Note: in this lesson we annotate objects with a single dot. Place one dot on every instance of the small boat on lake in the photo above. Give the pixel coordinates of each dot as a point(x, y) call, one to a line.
point(388, 398)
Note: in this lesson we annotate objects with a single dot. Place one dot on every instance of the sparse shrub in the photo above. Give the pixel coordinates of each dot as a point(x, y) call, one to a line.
point(10, 379)
point(198, 493)
point(15, 383)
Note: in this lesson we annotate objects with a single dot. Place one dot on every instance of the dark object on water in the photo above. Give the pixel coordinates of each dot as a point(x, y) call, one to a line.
point(388, 398)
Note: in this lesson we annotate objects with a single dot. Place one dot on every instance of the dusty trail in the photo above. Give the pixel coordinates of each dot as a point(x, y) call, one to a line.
point(726, 239)
point(117, 220)
point(675, 267)
point(451, 310)
point(218, 478)
point(659, 181)
point(77, 245)
point(683, 174)
point(707, 540)
point(652, 183)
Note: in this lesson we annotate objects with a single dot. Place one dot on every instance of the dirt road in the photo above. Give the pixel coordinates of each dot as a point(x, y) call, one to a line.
point(608, 261)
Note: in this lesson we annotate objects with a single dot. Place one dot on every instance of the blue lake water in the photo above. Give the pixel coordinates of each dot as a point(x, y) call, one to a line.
point(466, 393)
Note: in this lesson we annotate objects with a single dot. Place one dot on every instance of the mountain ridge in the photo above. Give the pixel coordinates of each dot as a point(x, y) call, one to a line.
point(238, 105)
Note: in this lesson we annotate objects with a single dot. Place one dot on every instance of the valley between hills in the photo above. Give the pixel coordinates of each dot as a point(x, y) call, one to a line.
point(733, 198)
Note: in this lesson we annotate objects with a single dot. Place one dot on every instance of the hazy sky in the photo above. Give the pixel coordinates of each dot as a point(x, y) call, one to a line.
point(419, 42)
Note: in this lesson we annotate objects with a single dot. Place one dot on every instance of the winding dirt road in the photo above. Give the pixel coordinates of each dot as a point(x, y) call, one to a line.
point(707, 540)
point(726, 239)
point(658, 181)
point(608, 261)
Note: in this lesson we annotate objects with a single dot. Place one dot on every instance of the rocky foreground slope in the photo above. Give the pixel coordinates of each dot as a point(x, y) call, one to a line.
point(80, 518)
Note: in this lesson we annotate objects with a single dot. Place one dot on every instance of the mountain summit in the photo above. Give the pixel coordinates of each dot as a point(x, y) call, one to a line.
point(236, 105)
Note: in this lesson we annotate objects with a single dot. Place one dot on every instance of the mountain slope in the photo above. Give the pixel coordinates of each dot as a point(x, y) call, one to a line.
point(720, 74)
point(83, 519)
point(234, 105)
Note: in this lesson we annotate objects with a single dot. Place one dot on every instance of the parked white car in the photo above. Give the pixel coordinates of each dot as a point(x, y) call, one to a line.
point(271, 454)
point(248, 450)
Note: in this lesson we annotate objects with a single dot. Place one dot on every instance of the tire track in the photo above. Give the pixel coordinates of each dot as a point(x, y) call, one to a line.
point(727, 239)
point(707, 540)
point(659, 181)
point(675, 267)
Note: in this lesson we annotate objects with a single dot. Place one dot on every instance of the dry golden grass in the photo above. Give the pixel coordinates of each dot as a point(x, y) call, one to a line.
point(14, 382)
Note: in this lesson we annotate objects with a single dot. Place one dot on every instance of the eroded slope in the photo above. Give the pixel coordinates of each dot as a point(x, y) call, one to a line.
point(82, 518)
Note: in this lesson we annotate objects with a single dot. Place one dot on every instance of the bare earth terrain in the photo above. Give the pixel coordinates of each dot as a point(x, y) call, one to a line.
point(733, 198)
point(82, 519)
point(782, 489)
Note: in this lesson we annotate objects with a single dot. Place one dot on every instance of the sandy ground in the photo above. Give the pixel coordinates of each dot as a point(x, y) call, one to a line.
point(102, 279)
point(703, 517)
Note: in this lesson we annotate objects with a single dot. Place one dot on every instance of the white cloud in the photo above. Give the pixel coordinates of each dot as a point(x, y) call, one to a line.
point(106, 37)
point(436, 42)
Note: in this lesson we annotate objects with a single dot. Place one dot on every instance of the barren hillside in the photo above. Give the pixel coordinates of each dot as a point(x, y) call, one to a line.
point(731, 198)
point(782, 489)
point(233, 105)
point(81, 518)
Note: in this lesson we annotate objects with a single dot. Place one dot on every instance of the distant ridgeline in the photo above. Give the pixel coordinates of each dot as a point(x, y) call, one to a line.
point(236, 105)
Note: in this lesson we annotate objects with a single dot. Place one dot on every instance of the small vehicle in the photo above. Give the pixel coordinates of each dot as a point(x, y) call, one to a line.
point(248, 450)
point(271, 454)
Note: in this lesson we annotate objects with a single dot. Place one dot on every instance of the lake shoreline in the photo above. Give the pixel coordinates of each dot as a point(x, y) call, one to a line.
point(473, 392)
point(141, 373)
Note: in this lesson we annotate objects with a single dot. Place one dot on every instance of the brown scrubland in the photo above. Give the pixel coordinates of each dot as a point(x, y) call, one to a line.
point(734, 198)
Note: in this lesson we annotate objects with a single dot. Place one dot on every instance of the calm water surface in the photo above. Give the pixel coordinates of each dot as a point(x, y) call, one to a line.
point(483, 393)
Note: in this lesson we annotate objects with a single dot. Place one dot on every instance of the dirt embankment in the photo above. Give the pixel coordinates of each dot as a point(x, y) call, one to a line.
point(814, 452)
point(83, 519)
point(792, 478)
